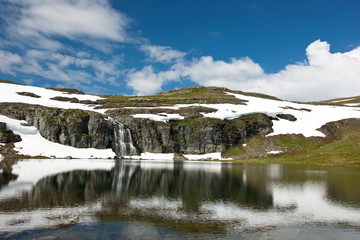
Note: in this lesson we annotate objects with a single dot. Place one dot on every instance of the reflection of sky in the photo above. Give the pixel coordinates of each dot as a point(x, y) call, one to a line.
point(292, 203)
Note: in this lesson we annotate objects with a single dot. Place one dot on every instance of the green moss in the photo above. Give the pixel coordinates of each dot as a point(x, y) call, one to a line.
point(87, 136)
point(295, 143)
point(76, 122)
point(234, 151)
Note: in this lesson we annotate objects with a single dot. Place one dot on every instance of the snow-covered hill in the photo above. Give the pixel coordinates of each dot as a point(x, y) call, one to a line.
point(308, 117)
point(288, 117)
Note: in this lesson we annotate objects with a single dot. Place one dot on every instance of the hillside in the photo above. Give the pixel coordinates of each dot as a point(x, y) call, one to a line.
point(349, 101)
point(197, 122)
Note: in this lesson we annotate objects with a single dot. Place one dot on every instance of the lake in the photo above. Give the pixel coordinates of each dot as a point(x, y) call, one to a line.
point(108, 199)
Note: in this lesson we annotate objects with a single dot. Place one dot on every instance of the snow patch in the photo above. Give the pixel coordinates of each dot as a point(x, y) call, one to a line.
point(207, 156)
point(163, 117)
point(352, 104)
point(307, 121)
point(34, 144)
point(153, 156)
point(343, 100)
point(274, 152)
point(1, 157)
point(8, 93)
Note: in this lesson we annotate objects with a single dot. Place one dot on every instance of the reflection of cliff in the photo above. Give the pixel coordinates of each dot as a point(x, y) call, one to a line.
point(343, 188)
point(67, 189)
point(192, 186)
point(128, 181)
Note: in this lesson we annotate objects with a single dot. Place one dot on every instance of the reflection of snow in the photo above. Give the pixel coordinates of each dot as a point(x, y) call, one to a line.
point(311, 202)
point(49, 217)
point(29, 172)
point(292, 204)
point(275, 171)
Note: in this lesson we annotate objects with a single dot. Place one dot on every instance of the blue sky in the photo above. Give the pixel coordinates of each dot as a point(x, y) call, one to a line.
point(295, 50)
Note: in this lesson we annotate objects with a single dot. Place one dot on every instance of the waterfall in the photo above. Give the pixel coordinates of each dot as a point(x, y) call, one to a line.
point(123, 140)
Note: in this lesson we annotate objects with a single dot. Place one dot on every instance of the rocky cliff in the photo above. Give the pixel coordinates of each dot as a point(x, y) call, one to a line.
point(77, 128)
point(85, 129)
point(197, 136)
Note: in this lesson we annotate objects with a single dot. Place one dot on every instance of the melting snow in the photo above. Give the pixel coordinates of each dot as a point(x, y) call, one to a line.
point(163, 117)
point(34, 144)
point(343, 100)
point(309, 117)
point(8, 93)
point(352, 104)
point(274, 152)
point(208, 156)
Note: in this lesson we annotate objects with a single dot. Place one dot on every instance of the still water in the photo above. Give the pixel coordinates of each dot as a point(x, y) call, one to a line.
point(108, 199)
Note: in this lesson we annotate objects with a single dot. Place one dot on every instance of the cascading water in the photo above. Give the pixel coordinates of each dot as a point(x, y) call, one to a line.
point(123, 140)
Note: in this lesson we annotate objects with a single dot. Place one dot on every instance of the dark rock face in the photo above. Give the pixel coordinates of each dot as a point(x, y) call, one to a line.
point(288, 117)
point(65, 99)
point(197, 136)
point(28, 94)
point(8, 136)
point(333, 130)
point(77, 128)
point(84, 129)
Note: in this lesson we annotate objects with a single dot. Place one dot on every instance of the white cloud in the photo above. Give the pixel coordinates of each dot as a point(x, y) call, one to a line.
point(71, 19)
point(7, 60)
point(323, 75)
point(162, 54)
point(207, 72)
point(144, 82)
point(32, 28)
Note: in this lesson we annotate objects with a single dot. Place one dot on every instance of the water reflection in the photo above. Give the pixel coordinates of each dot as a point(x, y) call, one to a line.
point(206, 197)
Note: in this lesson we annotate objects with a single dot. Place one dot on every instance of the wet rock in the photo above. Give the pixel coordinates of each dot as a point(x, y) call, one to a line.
point(179, 157)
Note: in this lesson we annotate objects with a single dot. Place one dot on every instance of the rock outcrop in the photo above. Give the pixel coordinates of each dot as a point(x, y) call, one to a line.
point(84, 129)
point(7, 136)
point(335, 129)
point(197, 136)
point(76, 128)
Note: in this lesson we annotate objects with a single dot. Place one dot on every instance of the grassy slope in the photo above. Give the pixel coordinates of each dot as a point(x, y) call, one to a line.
point(341, 101)
point(196, 94)
point(342, 152)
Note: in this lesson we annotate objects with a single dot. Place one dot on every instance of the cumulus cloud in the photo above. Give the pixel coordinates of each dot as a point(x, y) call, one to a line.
point(205, 71)
point(162, 54)
point(33, 29)
point(146, 81)
point(322, 75)
point(70, 19)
